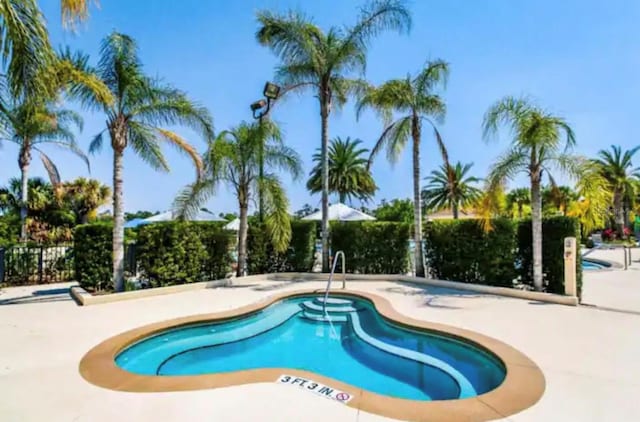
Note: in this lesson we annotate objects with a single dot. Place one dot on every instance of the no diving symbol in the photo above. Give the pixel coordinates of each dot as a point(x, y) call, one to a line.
point(342, 396)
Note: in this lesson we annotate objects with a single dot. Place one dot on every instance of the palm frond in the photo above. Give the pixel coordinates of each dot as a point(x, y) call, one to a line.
point(181, 145)
point(277, 217)
point(190, 199)
point(50, 167)
point(74, 12)
point(96, 143)
point(143, 140)
point(292, 37)
point(393, 138)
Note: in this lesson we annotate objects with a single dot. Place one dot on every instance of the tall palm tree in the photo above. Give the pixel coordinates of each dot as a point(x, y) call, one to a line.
point(450, 187)
point(234, 159)
point(539, 144)
point(414, 98)
point(142, 105)
point(617, 168)
point(31, 126)
point(349, 176)
point(324, 62)
point(519, 198)
point(83, 197)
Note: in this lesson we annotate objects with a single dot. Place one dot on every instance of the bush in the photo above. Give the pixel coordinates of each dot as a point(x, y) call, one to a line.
point(372, 247)
point(170, 253)
point(299, 257)
point(554, 230)
point(217, 243)
point(9, 231)
point(92, 255)
point(461, 250)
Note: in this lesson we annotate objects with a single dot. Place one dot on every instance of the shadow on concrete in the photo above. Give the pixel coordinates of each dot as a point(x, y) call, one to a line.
point(431, 294)
point(274, 286)
point(39, 296)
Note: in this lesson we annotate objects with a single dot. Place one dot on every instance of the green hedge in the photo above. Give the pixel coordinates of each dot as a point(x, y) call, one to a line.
point(554, 230)
point(372, 247)
point(218, 244)
point(9, 231)
point(166, 253)
point(92, 250)
point(170, 253)
point(461, 250)
point(299, 257)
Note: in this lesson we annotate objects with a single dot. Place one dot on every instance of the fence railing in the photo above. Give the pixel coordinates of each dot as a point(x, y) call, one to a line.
point(36, 264)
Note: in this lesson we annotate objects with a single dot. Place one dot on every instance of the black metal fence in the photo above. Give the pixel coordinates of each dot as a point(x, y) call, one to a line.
point(36, 264)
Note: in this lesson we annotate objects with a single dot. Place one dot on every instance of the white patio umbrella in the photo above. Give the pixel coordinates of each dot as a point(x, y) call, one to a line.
point(340, 212)
point(169, 216)
point(233, 225)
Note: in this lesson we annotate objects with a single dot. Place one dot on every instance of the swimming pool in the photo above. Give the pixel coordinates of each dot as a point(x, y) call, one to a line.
point(354, 345)
point(589, 265)
point(369, 357)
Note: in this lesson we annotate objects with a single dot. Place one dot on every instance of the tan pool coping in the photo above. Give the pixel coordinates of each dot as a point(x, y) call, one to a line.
point(523, 386)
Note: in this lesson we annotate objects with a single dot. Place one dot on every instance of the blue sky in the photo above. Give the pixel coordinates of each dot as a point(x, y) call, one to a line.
point(578, 58)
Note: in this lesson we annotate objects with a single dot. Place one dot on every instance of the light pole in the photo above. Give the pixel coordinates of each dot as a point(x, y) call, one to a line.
point(261, 110)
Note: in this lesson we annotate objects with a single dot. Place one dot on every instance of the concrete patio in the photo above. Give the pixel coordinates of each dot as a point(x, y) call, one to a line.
point(589, 356)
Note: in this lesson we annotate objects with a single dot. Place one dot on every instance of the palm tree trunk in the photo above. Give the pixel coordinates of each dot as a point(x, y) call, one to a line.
point(242, 237)
point(417, 207)
point(118, 222)
point(261, 174)
point(324, 114)
point(536, 230)
point(619, 213)
point(24, 160)
point(455, 211)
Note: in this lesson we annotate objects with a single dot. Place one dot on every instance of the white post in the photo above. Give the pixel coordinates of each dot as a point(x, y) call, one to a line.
point(570, 258)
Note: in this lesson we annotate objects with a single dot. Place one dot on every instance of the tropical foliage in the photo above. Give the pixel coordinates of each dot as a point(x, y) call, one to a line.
point(349, 176)
point(417, 102)
point(234, 159)
point(325, 63)
point(143, 105)
point(539, 144)
point(450, 187)
point(616, 167)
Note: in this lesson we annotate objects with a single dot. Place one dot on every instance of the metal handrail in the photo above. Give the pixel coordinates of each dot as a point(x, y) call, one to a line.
point(333, 269)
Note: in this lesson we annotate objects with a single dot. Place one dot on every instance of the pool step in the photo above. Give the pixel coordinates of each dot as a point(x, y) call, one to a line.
point(332, 301)
point(323, 318)
point(330, 308)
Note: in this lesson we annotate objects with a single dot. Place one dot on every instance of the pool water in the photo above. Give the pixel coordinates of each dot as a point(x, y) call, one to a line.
point(591, 265)
point(355, 345)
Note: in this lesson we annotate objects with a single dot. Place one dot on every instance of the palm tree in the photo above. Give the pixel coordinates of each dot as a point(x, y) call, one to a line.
point(557, 199)
point(415, 100)
point(40, 196)
point(617, 168)
point(519, 198)
point(141, 106)
point(83, 197)
point(594, 199)
point(324, 61)
point(450, 187)
point(349, 176)
point(234, 159)
point(31, 125)
point(537, 147)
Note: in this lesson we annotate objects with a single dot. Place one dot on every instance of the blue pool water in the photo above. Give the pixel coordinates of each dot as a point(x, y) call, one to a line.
point(357, 347)
point(591, 265)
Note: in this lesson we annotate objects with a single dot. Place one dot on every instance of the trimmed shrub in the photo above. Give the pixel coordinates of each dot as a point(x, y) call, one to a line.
point(9, 231)
point(461, 250)
point(92, 250)
point(554, 230)
point(218, 244)
point(299, 257)
point(372, 247)
point(170, 253)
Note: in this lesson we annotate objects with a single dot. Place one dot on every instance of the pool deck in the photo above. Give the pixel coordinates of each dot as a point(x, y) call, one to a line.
point(590, 357)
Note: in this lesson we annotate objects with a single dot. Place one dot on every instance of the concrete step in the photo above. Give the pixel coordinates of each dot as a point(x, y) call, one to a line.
point(312, 306)
point(332, 301)
point(323, 318)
